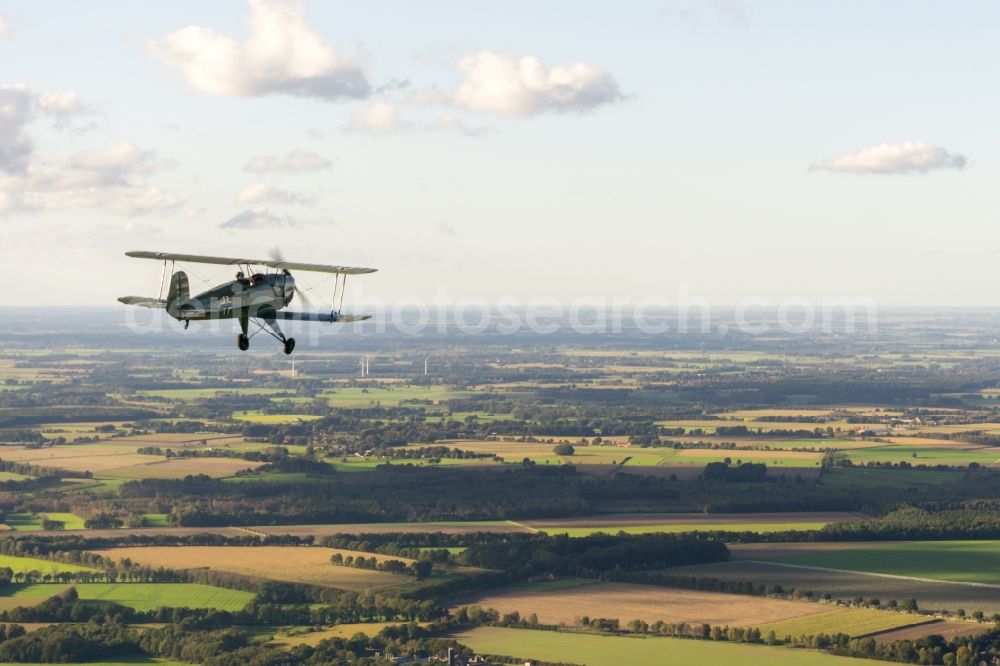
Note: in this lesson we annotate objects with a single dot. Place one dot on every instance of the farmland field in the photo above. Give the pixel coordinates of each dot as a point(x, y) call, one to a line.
point(955, 561)
point(594, 650)
point(627, 601)
point(847, 585)
point(338, 631)
point(850, 621)
point(382, 528)
point(390, 397)
point(195, 393)
point(71, 521)
point(298, 564)
point(178, 468)
point(119, 661)
point(144, 596)
point(926, 455)
point(26, 564)
point(541, 453)
point(696, 522)
point(944, 628)
point(78, 457)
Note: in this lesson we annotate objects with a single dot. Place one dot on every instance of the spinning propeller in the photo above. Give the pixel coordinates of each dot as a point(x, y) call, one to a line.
point(277, 255)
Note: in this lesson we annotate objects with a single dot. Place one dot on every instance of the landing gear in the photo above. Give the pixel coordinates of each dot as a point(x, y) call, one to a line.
point(265, 321)
point(187, 322)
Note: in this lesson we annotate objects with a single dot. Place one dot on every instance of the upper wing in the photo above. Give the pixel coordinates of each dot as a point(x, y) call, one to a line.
point(144, 301)
point(228, 261)
point(331, 317)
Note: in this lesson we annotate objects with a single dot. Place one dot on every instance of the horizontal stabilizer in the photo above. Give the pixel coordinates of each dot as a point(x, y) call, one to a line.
point(270, 263)
point(144, 301)
point(331, 317)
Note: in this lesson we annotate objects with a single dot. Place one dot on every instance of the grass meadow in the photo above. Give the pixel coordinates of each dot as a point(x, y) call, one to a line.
point(597, 650)
point(140, 596)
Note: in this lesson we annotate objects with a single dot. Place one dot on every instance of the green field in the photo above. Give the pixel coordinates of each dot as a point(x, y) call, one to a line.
point(144, 596)
point(122, 661)
point(23, 522)
point(961, 561)
point(925, 455)
point(71, 521)
point(357, 464)
point(195, 393)
point(596, 650)
point(14, 476)
point(390, 397)
point(259, 417)
point(843, 478)
point(851, 621)
point(25, 564)
point(155, 520)
point(542, 454)
point(680, 528)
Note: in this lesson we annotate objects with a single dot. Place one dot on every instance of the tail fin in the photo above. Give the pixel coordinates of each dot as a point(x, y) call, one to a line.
point(179, 292)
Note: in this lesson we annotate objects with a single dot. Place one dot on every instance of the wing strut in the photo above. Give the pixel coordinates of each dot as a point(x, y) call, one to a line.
point(343, 289)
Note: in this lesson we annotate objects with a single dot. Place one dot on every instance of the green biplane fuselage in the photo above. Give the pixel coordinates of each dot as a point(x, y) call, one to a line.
point(258, 296)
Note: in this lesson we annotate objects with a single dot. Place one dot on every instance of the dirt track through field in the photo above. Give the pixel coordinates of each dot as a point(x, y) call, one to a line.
point(877, 575)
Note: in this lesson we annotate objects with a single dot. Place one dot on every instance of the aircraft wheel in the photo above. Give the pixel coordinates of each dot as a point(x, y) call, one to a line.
point(243, 342)
point(289, 345)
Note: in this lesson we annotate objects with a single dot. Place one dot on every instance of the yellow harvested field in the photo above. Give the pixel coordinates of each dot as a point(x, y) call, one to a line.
point(313, 638)
point(174, 440)
point(929, 442)
point(178, 468)
point(751, 414)
point(295, 564)
point(951, 428)
point(851, 621)
point(78, 458)
point(627, 601)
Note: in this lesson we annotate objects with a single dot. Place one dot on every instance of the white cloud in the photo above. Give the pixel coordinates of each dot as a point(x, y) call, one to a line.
point(19, 107)
point(377, 118)
point(518, 86)
point(3, 27)
point(894, 158)
point(261, 192)
point(59, 104)
point(256, 218)
point(193, 213)
point(297, 161)
point(449, 122)
point(16, 111)
point(382, 118)
point(280, 55)
point(113, 179)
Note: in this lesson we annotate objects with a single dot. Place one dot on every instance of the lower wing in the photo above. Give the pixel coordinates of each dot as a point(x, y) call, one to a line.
point(331, 317)
point(144, 301)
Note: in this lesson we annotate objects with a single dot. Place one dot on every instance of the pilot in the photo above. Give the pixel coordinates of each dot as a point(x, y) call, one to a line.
point(242, 279)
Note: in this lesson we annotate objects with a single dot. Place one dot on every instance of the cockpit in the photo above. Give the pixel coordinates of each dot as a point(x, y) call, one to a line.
point(256, 278)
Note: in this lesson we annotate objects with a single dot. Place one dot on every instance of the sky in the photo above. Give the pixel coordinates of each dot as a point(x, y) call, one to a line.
point(731, 149)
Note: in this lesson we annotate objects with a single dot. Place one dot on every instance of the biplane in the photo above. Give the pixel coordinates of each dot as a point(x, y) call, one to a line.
point(256, 294)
